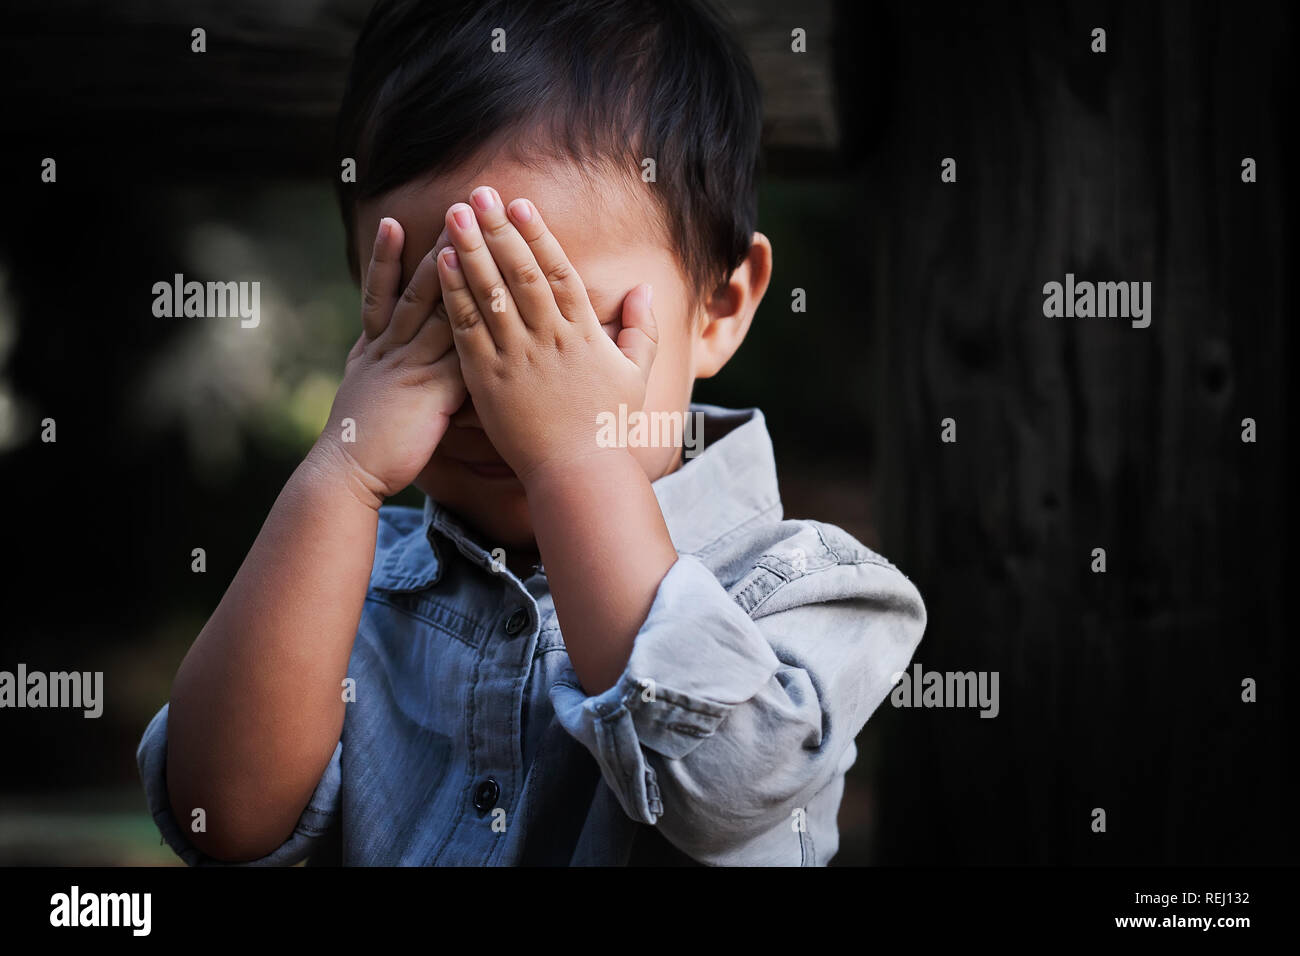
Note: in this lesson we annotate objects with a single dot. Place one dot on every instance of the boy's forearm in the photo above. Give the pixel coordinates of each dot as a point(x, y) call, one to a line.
point(606, 549)
point(256, 707)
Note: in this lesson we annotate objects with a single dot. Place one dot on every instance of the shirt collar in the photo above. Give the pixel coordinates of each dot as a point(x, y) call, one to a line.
point(727, 486)
point(730, 484)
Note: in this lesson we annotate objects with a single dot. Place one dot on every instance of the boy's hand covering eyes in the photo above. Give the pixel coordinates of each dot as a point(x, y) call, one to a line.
point(538, 365)
point(402, 381)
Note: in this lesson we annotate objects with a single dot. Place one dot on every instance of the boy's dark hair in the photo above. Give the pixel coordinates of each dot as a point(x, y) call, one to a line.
point(605, 83)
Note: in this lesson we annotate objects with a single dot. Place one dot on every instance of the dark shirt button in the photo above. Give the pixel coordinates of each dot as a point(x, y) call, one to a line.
point(485, 795)
point(517, 622)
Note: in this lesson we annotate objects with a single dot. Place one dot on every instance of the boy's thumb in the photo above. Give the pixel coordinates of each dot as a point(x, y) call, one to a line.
point(639, 337)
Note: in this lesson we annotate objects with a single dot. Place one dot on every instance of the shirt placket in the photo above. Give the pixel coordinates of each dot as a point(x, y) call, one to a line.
point(496, 771)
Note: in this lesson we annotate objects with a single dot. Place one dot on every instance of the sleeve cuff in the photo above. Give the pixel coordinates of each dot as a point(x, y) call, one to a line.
point(696, 657)
point(151, 756)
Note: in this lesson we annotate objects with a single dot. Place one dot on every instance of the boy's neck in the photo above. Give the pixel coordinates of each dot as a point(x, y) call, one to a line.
point(523, 563)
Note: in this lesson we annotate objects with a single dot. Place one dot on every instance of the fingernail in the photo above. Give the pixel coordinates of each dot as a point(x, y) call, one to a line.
point(649, 294)
point(462, 214)
point(384, 229)
point(449, 256)
point(484, 198)
point(522, 210)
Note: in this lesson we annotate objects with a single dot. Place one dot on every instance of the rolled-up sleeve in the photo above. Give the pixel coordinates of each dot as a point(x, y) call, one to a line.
point(316, 818)
point(727, 720)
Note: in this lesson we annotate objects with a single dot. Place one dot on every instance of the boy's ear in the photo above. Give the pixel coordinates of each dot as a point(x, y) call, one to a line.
point(731, 309)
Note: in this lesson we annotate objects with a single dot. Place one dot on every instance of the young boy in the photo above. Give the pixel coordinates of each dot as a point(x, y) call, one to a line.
point(580, 651)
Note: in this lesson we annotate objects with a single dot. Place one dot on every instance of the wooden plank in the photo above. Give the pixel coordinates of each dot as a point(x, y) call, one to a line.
point(263, 98)
point(1119, 690)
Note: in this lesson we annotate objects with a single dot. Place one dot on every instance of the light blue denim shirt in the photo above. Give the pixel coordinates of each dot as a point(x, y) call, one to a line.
point(725, 741)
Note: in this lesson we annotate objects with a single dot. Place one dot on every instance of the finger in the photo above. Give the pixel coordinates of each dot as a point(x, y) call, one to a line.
point(639, 337)
point(447, 371)
point(565, 283)
point(383, 277)
point(496, 305)
point(433, 339)
point(515, 261)
point(358, 347)
point(472, 336)
point(417, 301)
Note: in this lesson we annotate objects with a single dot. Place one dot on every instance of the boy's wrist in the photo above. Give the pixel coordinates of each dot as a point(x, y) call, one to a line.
point(563, 471)
point(331, 465)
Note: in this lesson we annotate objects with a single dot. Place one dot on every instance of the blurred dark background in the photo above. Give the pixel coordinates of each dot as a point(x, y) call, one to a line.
point(1119, 690)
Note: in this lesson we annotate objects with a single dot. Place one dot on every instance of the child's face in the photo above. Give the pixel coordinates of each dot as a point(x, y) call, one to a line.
point(611, 239)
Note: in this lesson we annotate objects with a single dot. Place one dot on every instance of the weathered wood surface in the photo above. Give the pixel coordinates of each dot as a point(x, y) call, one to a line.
point(1119, 690)
point(263, 98)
